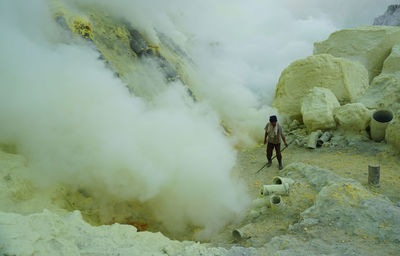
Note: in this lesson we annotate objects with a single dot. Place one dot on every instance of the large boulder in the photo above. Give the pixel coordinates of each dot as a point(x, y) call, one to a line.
point(348, 80)
point(370, 45)
point(317, 109)
point(344, 204)
point(392, 62)
point(356, 210)
point(391, 17)
point(353, 117)
point(384, 92)
point(393, 133)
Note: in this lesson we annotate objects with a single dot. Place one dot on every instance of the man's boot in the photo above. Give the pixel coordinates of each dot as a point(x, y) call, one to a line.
point(280, 165)
point(269, 163)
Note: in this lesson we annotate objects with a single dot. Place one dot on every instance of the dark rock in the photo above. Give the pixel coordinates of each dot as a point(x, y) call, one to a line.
point(390, 18)
point(137, 43)
point(62, 22)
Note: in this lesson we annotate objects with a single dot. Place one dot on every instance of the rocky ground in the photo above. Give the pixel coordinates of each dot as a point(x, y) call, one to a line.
point(344, 164)
point(330, 210)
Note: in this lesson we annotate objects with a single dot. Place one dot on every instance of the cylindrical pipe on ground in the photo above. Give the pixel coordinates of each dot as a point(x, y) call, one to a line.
point(276, 202)
point(374, 175)
point(312, 139)
point(379, 122)
point(244, 232)
point(268, 201)
point(260, 202)
point(277, 189)
point(254, 214)
point(281, 180)
point(324, 138)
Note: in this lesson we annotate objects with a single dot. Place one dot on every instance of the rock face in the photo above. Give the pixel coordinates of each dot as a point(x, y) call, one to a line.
point(356, 210)
point(393, 133)
point(370, 45)
point(345, 205)
point(353, 116)
point(384, 92)
point(391, 16)
point(49, 234)
point(317, 109)
point(348, 80)
point(392, 62)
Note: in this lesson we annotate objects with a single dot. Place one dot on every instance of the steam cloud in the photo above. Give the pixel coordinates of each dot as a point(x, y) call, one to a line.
point(78, 124)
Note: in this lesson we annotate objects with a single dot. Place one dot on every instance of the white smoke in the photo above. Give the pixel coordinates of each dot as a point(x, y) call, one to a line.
point(78, 124)
point(240, 48)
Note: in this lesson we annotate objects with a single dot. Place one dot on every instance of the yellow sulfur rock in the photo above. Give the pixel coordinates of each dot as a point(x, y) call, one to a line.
point(384, 92)
point(353, 117)
point(80, 25)
point(393, 133)
point(392, 62)
point(317, 109)
point(369, 45)
point(347, 80)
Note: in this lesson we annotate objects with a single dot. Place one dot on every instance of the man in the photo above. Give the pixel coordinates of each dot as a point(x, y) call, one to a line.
point(274, 133)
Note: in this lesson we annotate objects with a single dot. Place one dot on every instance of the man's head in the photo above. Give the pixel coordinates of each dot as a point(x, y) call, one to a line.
point(273, 120)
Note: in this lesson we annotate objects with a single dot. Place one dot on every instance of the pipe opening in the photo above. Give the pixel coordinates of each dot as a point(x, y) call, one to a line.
point(275, 199)
point(383, 116)
point(236, 234)
point(277, 180)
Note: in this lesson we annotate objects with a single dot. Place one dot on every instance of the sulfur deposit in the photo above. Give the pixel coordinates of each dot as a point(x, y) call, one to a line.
point(369, 45)
point(47, 233)
point(392, 62)
point(376, 48)
point(393, 133)
point(347, 80)
point(317, 109)
point(383, 93)
point(353, 117)
point(384, 89)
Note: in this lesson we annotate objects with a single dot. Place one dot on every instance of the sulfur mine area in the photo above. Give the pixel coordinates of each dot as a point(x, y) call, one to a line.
point(136, 128)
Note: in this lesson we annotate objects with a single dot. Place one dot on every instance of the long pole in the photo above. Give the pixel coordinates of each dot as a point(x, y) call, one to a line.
point(273, 157)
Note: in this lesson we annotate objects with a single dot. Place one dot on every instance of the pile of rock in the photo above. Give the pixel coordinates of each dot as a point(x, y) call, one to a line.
point(347, 80)
point(351, 74)
point(346, 205)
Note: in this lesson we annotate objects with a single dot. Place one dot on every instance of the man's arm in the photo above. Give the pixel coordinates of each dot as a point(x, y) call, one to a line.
point(284, 140)
point(283, 136)
point(265, 136)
